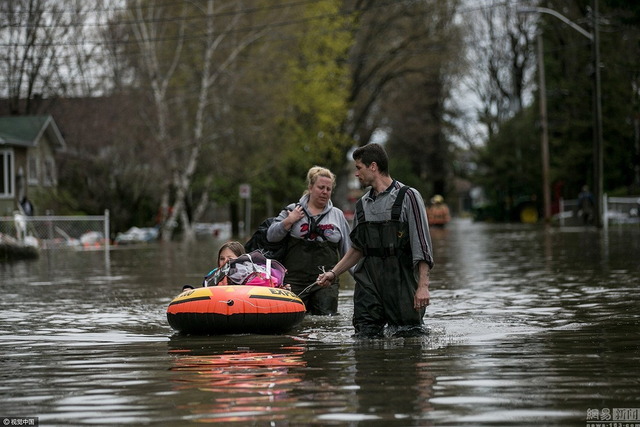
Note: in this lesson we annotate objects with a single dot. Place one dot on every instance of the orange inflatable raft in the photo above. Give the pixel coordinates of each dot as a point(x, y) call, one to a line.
point(235, 310)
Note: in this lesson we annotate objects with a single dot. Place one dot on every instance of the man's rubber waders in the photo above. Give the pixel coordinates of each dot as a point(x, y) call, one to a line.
point(385, 280)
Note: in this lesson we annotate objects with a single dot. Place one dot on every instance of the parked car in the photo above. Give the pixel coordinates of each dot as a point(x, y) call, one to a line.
point(137, 235)
point(217, 230)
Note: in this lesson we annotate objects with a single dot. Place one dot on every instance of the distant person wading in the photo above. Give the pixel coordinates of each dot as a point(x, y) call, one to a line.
point(586, 206)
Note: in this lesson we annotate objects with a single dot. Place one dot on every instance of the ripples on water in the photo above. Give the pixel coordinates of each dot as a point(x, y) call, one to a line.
point(527, 327)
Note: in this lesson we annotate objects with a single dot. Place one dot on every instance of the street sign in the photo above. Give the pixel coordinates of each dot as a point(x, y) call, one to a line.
point(245, 191)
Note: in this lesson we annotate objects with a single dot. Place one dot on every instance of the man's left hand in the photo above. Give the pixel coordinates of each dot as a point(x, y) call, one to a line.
point(422, 298)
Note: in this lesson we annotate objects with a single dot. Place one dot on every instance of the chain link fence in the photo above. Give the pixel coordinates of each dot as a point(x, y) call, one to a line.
point(89, 232)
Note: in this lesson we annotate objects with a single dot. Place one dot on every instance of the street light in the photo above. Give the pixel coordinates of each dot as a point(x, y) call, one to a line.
point(597, 107)
point(561, 17)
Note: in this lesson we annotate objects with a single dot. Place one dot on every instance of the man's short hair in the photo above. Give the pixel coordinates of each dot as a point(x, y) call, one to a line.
point(370, 153)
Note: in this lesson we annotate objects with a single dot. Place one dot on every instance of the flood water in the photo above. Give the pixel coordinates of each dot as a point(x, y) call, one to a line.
point(528, 326)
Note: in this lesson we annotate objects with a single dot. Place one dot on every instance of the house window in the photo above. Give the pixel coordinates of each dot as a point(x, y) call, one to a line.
point(49, 177)
point(6, 173)
point(32, 169)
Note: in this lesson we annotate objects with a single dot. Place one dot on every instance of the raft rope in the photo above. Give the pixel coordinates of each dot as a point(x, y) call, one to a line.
point(321, 267)
point(307, 288)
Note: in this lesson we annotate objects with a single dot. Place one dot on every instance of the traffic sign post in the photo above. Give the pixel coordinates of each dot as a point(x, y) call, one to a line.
point(244, 191)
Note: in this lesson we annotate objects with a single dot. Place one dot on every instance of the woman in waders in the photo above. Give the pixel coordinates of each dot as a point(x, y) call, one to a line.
point(318, 235)
point(392, 246)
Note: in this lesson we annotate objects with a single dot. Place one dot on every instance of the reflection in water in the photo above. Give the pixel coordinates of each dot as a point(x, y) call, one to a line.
point(395, 380)
point(241, 383)
point(282, 379)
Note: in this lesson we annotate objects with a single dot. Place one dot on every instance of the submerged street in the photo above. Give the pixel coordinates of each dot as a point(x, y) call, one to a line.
point(528, 326)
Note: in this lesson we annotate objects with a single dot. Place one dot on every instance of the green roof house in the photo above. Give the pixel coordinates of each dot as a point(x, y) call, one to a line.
point(27, 161)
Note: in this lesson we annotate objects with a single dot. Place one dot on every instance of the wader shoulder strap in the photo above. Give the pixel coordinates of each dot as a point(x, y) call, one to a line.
point(359, 211)
point(313, 225)
point(396, 209)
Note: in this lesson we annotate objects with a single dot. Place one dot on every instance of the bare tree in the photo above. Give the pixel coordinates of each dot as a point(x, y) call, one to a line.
point(404, 61)
point(502, 62)
point(416, 107)
point(394, 41)
point(163, 34)
point(47, 51)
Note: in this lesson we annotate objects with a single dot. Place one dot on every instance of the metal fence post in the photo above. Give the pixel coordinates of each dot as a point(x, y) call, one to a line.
point(605, 210)
point(106, 230)
point(107, 242)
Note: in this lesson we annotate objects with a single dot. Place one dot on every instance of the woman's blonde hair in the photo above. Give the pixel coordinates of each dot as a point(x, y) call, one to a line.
point(318, 171)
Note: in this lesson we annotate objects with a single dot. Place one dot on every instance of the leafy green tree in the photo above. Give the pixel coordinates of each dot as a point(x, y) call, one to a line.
point(293, 101)
point(569, 67)
point(316, 100)
point(508, 175)
point(510, 166)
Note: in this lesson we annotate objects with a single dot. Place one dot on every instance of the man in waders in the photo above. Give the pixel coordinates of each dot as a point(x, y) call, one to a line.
point(392, 247)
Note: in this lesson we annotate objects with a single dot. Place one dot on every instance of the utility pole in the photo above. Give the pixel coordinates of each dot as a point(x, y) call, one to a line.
point(597, 99)
point(597, 128)
point(544, 138)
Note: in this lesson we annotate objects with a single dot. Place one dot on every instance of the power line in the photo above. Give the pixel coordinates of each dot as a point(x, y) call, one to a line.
point(186, 18)
point(169, 3)
point(246, 11)
point(247, 29)
point(262, 27)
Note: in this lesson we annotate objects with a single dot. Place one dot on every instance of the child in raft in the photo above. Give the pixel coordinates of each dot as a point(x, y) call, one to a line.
point(236, 267)
point(228, 251)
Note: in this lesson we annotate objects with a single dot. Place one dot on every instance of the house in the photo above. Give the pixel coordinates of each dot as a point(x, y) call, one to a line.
point(27, 160)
